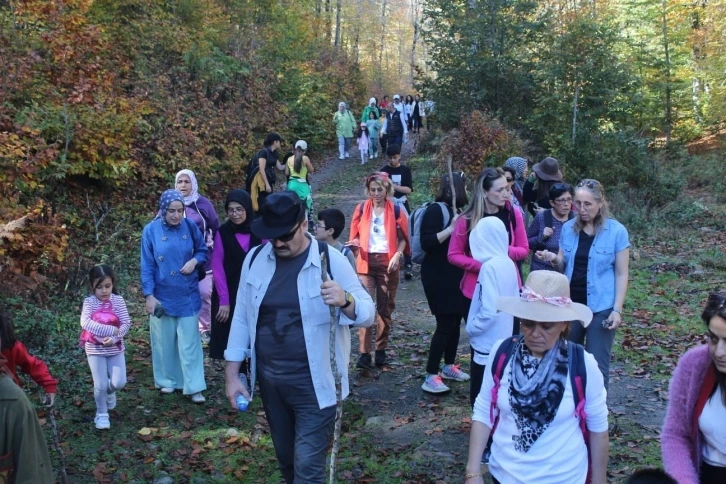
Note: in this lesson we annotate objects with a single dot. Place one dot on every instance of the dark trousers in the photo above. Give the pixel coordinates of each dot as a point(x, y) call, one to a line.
point(598, 341)
point(476, 373)
point(300, 430)
point(384, 143)
point(395, 140)
point(712, 474)
point(444, 342)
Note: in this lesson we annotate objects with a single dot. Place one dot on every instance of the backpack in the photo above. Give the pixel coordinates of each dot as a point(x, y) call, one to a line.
point(578, 380)
point(396, 210)
point(414, 229)
point(549, 222)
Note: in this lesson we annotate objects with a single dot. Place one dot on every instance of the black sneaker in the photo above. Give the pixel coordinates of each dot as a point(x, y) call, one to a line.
point(408, 273)
point(364, 361)
point(380, 357)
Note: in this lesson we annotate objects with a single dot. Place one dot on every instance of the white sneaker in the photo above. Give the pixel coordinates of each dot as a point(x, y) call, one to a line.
point(341, 157)
point(102, 422)
point(347, 155)
point(166, 390)
point(111, 400)
point(198, 398)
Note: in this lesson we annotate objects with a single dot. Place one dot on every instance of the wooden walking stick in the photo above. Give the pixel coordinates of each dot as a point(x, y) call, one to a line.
point(62, 474)
point(336, 375)
point(451, 184)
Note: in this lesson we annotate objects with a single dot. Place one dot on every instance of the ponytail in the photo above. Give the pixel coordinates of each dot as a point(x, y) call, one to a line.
point(298, 164)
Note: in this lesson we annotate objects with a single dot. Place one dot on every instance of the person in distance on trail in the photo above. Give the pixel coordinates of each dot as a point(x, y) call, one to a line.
point(364, 141)
point(17, 356)
point(233, 242)
point(536, 189)
point(282, 324)
point(402, 180)
point(533, 385)
point(417, 114)
point(400, 107)
point(693, 439)
point(200, 210)
point(371, 108)
point(344, 123)
point(331, 223)
point(544, 231)
point(394, 127)
point(385, 102)
point(440, 281)
point(171, 248)
point(374, 129)
point(490, 198)
point(261, 175)
point(594, 255)
point(298, 168)
point(379, 230)
point(408, 106)
point(24, 456)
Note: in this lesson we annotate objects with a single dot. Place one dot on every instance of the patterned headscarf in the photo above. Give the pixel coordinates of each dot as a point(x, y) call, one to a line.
point(194, 195)
point(519, 165)
point(166, 198)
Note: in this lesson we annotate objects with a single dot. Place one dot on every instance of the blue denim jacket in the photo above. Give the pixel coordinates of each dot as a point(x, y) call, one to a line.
point(315, 316)
point(165, 250)
point(611, 239)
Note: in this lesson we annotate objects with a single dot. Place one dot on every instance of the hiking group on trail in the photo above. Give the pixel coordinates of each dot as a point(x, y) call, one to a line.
point(274, 293)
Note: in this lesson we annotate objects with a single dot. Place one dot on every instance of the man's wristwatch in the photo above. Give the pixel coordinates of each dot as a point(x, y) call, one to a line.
point(348, 300)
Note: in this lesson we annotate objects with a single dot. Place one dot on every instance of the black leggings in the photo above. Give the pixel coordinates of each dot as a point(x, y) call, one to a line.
point(712, 474)
point(444, 342)
point(477, 371)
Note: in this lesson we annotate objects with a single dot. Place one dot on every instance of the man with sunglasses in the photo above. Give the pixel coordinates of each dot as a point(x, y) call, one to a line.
point(282, 323)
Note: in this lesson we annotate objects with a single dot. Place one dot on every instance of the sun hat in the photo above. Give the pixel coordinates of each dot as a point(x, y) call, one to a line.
point(301, 144)
point(548, 169)
point(279, 214)
point(545, 299)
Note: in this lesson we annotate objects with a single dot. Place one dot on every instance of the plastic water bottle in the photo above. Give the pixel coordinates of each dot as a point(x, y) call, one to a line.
point(241, 401)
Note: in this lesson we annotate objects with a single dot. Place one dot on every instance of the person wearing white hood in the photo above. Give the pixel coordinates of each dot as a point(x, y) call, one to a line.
point(498, 277)
point(400, 107)
point(371, 108)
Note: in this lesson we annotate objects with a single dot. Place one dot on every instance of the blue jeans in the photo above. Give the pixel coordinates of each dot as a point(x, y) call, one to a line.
point(344, 145)
point(597, 340)
point(373, 146)
point(300, 430)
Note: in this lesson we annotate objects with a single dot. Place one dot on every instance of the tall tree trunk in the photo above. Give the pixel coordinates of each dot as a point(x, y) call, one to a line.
point(356, 39)
point(574, 113)
point(338, 9)
point(328, 22)
point(668, 107)
point(415, 19)
point(383, 43)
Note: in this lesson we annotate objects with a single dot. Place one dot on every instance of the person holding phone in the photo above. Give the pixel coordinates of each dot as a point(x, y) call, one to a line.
point(594, 255)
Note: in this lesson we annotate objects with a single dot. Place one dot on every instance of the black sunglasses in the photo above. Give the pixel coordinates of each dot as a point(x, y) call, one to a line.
point(716, 301)
point(288, 236)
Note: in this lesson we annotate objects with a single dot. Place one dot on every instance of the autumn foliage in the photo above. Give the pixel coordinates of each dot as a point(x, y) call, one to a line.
point(112, 97)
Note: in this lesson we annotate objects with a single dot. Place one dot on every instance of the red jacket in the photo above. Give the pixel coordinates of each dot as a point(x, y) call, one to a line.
point(18, 356)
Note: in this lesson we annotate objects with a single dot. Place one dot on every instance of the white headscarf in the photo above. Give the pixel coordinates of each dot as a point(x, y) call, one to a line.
point(194, 195)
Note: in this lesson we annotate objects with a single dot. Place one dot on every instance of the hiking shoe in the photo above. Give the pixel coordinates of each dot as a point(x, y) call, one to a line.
point(434, 384)
point(453, 372)
point(166, 390)
point(198, 397)
point(341, 157)
point(408, 274)
point(111, 400)
point(347, 155)
point(102, 422)
point(206, 337)
point(381, 357)
point(364, 361)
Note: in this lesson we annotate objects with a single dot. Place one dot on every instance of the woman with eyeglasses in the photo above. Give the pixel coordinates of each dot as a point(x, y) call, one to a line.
point(490, 198)
point(232, 242)
point(594, 255)
point(544, 231)
point(693, 439)
point(379, 230)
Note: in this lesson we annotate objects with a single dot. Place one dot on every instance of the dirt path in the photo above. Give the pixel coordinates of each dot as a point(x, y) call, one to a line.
point(430, 433)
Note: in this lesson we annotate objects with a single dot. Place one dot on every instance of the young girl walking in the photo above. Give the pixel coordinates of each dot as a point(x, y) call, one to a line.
point(363, 142)
point(374, 128)
point(105, 321)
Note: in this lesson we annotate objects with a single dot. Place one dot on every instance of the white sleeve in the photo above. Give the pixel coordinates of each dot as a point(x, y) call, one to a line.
point(595, 397)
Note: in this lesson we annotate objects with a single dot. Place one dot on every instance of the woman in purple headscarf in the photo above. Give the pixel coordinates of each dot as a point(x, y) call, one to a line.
point(200, 211)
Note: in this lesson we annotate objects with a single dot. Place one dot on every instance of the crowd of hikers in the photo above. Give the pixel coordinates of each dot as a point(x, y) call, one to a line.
point(260, 289)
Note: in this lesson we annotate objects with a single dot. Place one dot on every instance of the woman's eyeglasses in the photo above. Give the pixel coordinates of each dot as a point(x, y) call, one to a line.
point(563, 201)
point(235, 211)
point(376, 222)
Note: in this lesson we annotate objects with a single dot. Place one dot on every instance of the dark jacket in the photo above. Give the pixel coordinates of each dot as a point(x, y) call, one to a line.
point(440, 279)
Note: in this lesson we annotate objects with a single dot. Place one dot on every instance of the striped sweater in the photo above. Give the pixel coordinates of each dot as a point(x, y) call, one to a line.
point(101, 331)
